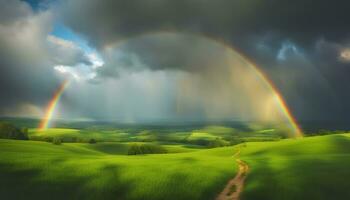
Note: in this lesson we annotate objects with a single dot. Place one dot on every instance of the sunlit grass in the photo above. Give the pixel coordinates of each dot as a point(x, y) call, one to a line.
point(202, 135)
point(308, 168)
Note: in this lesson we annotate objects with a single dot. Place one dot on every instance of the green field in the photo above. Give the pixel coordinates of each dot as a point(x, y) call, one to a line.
point(41, 170)
point(308, 168)
point(209, 136)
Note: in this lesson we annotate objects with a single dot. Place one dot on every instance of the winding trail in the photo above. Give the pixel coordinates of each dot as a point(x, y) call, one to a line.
point(234, 187)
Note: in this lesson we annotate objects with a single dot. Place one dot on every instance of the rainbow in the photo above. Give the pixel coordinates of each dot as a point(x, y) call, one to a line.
point(297, 131)
point(44, 124)
point(279, 98)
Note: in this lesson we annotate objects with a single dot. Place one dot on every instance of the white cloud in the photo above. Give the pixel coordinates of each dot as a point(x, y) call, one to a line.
point(82, 71)
point(65, 52)
point(95, 60)
point(73, 60)
point(67, 70)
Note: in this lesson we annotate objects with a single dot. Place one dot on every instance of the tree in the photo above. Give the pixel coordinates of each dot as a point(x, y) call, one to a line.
point(9, 131)
point(135, 149)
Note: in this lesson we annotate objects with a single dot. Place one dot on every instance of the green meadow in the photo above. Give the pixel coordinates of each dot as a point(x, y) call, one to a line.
point(41, 170)
point(179, 163)
point(308, 168)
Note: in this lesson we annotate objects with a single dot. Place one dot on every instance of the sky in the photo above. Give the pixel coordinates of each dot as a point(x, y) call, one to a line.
point(173, 60)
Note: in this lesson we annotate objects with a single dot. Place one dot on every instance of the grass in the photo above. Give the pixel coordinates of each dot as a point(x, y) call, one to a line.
point(308, 168)
point(201, 135)
point(41, 170)
point(181, 148)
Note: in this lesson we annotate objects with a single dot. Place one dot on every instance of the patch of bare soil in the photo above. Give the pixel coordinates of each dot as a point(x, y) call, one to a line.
point(234, 187)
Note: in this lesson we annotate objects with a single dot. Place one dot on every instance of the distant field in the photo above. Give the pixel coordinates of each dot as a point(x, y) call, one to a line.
point(202, 135)
point(308, 168)
point(71, 135)
point(121, 148)
point(41, 170)
point(222, 135)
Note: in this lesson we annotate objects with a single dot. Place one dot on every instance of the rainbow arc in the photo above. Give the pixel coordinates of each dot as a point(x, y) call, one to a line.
point(51, 107)
point(297, 132)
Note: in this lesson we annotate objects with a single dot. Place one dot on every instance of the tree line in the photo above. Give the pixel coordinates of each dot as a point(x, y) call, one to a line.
point(10, 131)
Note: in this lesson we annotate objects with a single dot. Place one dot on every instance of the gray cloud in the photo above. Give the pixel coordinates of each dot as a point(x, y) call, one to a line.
point(12, 11)
point(28, 55)
point(312, 81)
point(163, 51)
point(107, 21)
point(298, 44)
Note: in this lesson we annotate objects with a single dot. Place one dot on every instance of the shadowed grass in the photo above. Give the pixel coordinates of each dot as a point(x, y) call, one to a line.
point(40, 170)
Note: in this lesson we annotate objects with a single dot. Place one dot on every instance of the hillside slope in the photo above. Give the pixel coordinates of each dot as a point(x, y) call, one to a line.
point(41, 170)
point(308, 168)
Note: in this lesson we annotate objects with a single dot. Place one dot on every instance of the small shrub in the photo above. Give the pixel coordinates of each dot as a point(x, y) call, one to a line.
point(218, 143)
point(74, 139)
point(92, 141)
point(56, 141)
point(135, 149)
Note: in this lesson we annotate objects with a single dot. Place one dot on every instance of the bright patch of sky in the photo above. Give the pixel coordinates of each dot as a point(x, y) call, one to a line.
point(286, 49)
point(81, 71)
point(61, 31)
point(345, 55)
point(78, 73)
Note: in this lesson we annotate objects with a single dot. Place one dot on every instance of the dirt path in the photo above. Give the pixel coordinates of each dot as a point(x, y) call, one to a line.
point(234, 187)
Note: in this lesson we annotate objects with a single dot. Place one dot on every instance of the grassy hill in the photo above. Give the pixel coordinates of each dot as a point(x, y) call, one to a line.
point(308, 168)
point(41, 170)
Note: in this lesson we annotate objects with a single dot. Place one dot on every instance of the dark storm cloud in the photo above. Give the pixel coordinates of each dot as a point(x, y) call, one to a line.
point(311, 76)
point(106, 21)
point(301, 45)
point(165, 51)
point(240, 23)
point(300, 75)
